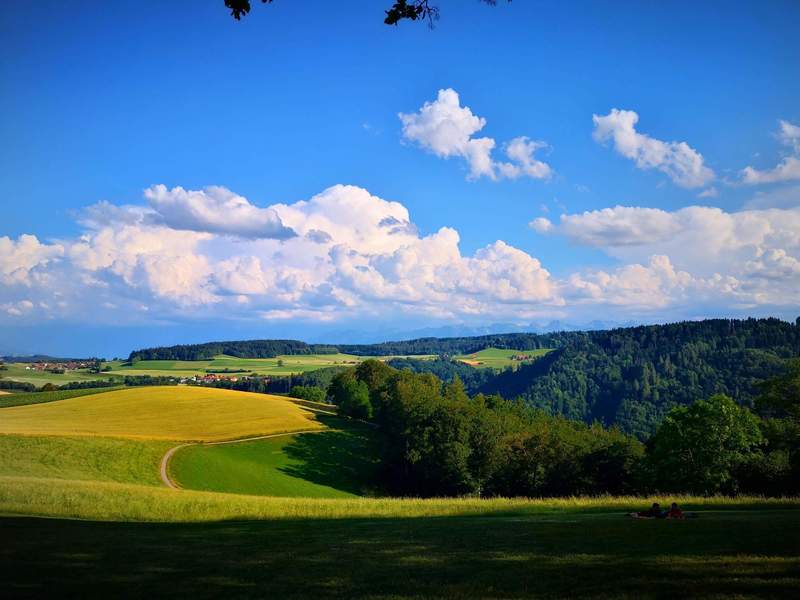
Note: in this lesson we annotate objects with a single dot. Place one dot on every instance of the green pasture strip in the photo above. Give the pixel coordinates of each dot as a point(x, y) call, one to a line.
point(18, 372)
point(311, 404)
point(500, 358)
point(128, 502)
point(22, 399)
point(727, 554)
point(289, 364)
point(82, 458)
point(335, 463)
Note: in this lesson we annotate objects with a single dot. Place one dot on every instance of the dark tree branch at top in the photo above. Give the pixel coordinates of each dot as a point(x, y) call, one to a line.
point(412, 10)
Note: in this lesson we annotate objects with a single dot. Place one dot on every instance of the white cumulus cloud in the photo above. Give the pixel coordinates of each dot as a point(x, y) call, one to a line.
point(447, 129)
point(744, 246)
point(680, 162)
point(215, 210)
point(541, 224)
point(357, 256)
point(20, 259)
point(788, 169)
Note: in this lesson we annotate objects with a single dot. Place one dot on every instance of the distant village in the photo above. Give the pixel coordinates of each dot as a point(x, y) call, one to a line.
point(61, 367)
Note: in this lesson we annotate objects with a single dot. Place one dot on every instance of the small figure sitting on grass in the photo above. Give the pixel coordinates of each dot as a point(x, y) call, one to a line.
point(654, 512)
point(675, 512)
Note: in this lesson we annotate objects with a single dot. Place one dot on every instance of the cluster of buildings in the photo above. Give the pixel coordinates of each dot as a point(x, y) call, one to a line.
point(211, 378)
point(71, 365)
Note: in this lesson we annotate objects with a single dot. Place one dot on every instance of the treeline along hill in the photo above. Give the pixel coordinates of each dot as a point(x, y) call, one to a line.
point(628, 377)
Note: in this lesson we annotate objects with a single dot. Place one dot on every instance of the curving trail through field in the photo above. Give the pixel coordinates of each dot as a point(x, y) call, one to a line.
point(169, 453)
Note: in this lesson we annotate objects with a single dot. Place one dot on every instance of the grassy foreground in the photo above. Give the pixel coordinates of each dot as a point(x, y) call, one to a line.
point(164, 413)
point(137, 541)
point(36, 496)
point(527, 551)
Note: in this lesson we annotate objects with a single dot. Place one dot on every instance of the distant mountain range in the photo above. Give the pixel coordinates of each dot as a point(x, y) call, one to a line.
point(353, 336)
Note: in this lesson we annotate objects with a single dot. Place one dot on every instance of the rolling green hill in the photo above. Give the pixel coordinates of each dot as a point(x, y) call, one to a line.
point(122, 436)
point(339, 462)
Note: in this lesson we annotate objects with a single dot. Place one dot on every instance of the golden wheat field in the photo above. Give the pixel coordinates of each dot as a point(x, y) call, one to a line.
point(161, 413)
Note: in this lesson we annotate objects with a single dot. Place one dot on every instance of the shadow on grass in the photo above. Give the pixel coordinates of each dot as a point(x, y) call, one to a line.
point(343, 458)
point(443, 557)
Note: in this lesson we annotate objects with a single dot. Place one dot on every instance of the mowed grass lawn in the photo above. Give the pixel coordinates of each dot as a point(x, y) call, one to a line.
point(498, 358)
point(722, 554)
point(340, 462)
point(161, 413)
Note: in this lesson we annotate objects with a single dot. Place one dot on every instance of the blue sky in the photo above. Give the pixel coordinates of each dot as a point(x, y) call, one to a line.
point(101, 102)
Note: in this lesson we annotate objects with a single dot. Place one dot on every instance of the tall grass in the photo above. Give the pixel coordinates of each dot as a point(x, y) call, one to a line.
point(83, 458)
point(127, 502)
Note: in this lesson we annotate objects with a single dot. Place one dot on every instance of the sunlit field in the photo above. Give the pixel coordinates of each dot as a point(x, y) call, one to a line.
point(18, 372)
point(499, 358)
point(280, 365)
point(163, 413)
point(82, 458)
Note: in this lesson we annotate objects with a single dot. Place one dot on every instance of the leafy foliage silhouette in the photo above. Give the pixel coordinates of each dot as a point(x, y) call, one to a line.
point(412, 10)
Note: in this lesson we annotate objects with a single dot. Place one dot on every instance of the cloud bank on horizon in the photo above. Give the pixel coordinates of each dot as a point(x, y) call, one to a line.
point(346, 254)
point(353, 254)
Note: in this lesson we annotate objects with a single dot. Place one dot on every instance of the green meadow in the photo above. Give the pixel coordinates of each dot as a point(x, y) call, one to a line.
point(280, 365)
point(499, 358)
point(338, 462)
point(83, 458)
point(21, 399)
point(18, 372)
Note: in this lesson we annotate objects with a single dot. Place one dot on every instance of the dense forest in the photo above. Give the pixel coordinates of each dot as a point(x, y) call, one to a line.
point(239, 349)
point(459, 345)
point(439, 441)
point(272, 348)
point(632, 377)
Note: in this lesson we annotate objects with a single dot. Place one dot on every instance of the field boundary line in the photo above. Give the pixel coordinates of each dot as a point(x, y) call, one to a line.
point(164, 467)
